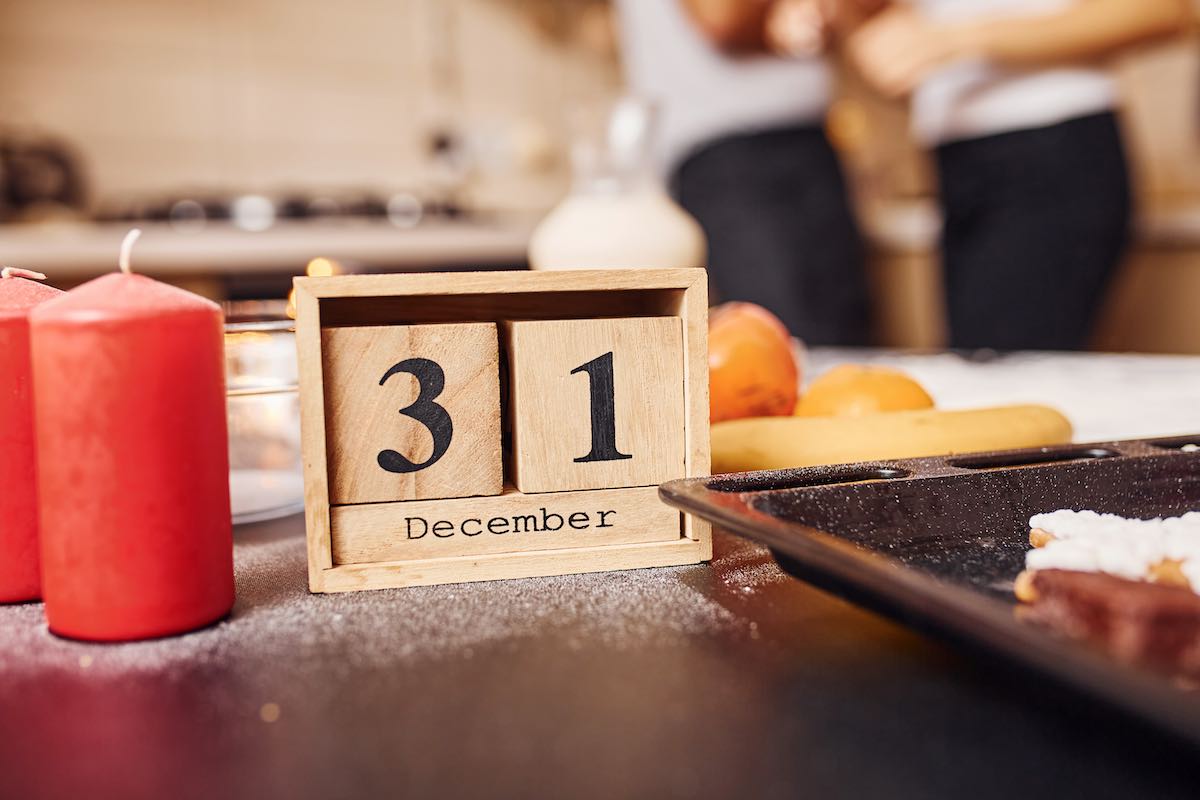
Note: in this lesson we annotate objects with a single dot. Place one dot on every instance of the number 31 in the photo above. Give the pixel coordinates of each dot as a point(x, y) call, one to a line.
point(431, 380)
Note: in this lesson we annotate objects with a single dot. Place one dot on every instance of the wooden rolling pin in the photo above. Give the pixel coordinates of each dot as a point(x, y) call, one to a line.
point(781, 442)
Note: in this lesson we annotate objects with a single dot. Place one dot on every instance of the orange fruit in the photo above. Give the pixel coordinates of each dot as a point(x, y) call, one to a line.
point(748, 315)
point(851, 390)
point(751, 369)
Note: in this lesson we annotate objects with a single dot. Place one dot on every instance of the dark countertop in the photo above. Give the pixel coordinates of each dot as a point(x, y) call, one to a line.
point(708, 681)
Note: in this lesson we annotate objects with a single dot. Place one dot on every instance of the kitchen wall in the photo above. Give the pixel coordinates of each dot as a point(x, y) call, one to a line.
point(266, 94)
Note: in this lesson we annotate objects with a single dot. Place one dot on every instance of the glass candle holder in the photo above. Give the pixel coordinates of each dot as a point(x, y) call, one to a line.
point(265, 468)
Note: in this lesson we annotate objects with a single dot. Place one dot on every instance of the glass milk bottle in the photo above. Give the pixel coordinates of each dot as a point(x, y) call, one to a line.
point(617, 214)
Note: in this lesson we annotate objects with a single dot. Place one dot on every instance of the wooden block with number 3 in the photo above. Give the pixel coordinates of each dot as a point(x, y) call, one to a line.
point(412, 412)
point(596, 403)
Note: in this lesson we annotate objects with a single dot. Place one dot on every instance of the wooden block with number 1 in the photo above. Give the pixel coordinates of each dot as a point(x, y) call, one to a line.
point(596, 403)
point(412, 412)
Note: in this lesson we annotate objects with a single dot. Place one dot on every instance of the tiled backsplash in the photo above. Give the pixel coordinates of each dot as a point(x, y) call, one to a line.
point(270, 94)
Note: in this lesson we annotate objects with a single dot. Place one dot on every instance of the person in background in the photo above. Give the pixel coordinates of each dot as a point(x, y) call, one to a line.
point(1015, 101)
point(743, 144)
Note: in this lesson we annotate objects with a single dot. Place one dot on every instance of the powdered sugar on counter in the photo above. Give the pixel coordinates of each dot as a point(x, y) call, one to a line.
point(277, 625)
point(1128, 548)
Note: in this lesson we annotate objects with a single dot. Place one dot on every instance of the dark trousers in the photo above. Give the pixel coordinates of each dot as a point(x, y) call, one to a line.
point(780, 233)
point(1035, 225)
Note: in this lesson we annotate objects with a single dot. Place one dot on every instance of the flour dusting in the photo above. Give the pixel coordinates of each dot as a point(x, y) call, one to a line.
point(276, 618)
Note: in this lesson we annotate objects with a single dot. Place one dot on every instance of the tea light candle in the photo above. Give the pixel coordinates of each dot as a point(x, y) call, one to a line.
point(133, 468)
point(19, 572)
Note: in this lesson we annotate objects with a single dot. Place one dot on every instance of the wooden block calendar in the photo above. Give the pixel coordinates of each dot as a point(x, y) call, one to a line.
point(478, 426)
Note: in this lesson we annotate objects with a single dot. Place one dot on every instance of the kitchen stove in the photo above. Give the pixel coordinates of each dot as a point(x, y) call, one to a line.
point(188, 213)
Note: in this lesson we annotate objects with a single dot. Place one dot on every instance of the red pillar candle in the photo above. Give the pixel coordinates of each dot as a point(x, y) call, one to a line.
point(19, 572)
point(133, 461)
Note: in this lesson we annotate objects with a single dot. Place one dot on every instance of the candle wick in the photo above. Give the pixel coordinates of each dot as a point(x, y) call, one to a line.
point(17, 272)
point(127, 250)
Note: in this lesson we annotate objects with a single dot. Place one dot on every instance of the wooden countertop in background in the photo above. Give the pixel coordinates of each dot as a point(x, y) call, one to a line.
point(77, 251)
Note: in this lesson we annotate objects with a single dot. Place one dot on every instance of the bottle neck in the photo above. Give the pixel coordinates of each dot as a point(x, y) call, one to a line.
point(613, 157)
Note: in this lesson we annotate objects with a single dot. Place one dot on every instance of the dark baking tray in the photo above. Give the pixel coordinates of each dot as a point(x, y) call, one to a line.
point(935, 543)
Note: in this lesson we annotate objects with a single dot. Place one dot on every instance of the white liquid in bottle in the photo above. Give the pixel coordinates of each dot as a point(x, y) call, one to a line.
point(618, 215)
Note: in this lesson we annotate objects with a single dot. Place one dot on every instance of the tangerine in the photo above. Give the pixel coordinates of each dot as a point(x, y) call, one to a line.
point(851, 390)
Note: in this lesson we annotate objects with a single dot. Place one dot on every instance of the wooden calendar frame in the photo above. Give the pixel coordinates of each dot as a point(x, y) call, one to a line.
point(427, 298)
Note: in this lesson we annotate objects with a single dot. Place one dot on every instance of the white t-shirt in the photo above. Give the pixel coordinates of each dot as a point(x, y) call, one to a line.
point(704, 94)
point(967, 100)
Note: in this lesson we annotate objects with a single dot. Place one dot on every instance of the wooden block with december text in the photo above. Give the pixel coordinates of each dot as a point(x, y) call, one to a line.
point(595, 403)
point(510, 523)
point(412, 412)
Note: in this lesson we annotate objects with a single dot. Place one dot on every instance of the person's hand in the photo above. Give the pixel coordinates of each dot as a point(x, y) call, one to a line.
point(795, 28)
point(897, 48)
